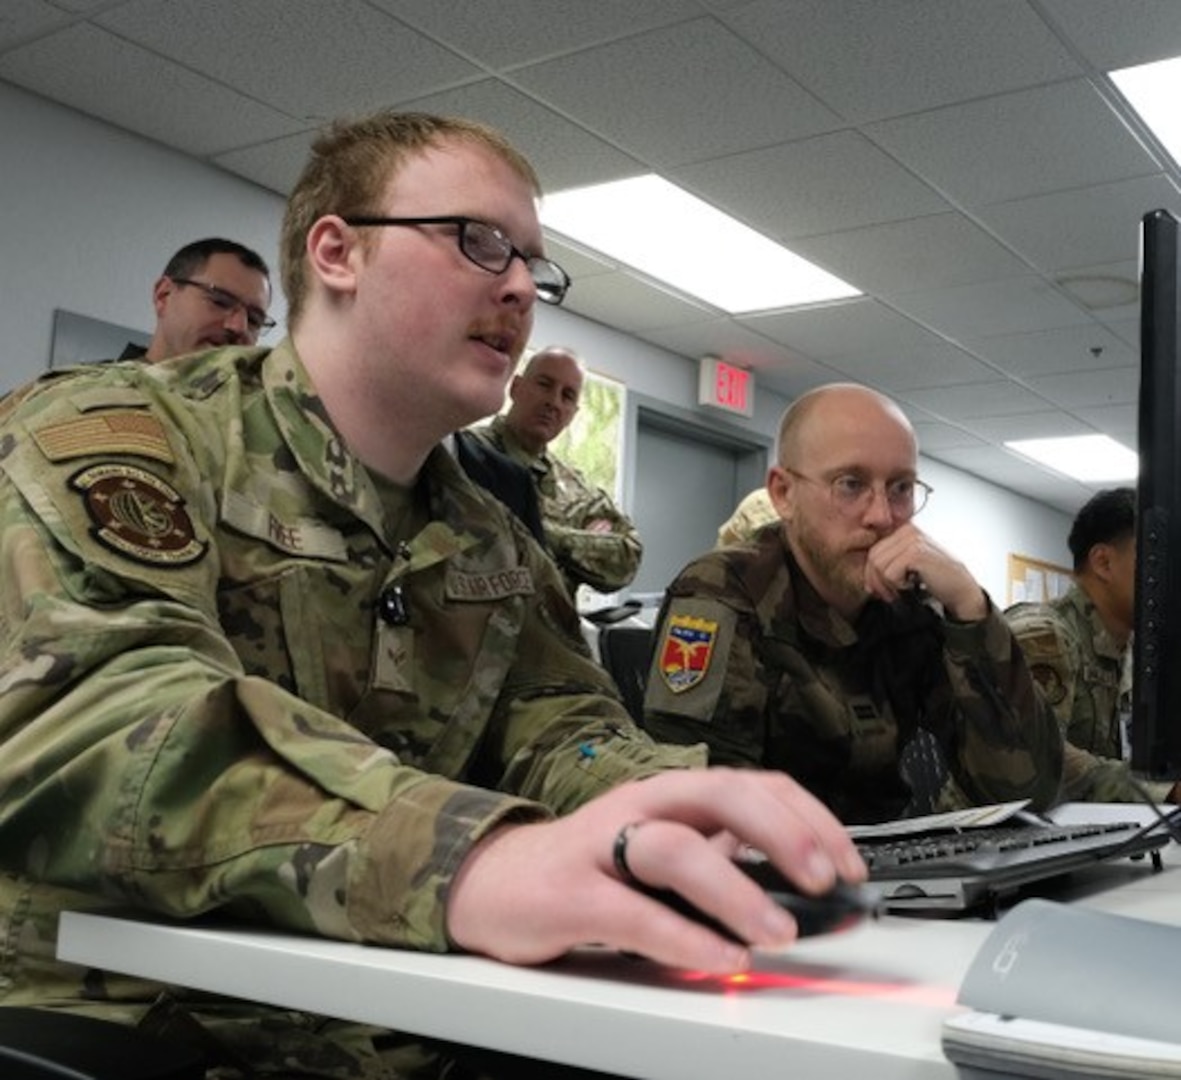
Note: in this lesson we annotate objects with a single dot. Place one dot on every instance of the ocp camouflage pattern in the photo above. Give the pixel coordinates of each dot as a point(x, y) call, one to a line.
point(207, 703)
point(1087, 679)
point(790, 685)
point(606, 561)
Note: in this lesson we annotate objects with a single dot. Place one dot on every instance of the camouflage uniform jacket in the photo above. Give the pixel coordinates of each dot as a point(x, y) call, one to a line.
point(749, 659)
point(242, 673)
point(605, 561)
point(1086, 677)
point(754, 511)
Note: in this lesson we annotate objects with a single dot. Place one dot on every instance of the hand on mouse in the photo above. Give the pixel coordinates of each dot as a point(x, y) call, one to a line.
point(529, 893)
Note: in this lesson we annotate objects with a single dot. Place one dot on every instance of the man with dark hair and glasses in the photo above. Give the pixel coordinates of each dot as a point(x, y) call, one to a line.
point(1079, 649)
point(270, 655)
point(825, 643)
point(213, 292)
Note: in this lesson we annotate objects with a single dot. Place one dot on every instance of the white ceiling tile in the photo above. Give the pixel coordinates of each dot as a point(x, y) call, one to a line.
point(1111, 386)
point(274, 51)
point(631, 305)
point(963, 403)
point(564, 154)
point(1119, 421)
point(721, 337)
point(576, 261)
point(910, 256)
point(845, 328)
point(103, 76)
point(1046, 229)
point(1127, 329)
point(914, 368)
point(525, 30)
point(1084, 347)
point(671, 96)
point(968, 312)
point(867, 59)
point(1040, 425)
point(934, 436)
point(275, 164)
point(1113, 34)
point(815, 185)
point(21, 20)
point(1012, 470)
point(1110, 291)
point(1017, 145)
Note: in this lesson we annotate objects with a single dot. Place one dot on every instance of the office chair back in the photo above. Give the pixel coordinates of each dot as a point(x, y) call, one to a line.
point(626, 651)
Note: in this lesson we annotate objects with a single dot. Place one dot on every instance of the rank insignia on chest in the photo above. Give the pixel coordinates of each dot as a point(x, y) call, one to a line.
point(686, 651)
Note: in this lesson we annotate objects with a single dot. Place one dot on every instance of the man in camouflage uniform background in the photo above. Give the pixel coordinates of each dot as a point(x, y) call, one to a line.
point(592, 542)
point(269, 654)
point(212, 292)
point(753, 511)
point(821, 648)
point(1078, 650)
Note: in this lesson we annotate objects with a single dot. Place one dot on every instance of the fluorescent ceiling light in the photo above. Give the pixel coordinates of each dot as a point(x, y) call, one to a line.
point(1152, 90)
point(1090, 458)
point(675, 238)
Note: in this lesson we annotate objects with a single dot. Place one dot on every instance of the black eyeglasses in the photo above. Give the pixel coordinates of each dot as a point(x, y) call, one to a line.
point(228, 304)
point(489, 249)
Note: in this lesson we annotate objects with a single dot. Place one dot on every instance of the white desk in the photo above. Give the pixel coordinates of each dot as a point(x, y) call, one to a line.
point(866, 1002)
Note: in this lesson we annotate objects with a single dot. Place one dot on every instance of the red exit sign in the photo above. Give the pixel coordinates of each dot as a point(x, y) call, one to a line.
point(725, 386)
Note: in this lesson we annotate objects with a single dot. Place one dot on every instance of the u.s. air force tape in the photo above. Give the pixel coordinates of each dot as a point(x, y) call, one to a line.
point(138, 515)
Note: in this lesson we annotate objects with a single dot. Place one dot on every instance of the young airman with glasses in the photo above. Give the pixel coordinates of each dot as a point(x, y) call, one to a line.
point(270, 656)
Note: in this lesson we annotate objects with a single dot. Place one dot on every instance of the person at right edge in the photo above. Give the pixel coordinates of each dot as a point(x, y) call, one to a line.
point(821, 646)
point(1078, 647)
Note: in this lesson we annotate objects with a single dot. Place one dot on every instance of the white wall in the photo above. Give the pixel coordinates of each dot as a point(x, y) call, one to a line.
point(982, 524)
point(89, 214)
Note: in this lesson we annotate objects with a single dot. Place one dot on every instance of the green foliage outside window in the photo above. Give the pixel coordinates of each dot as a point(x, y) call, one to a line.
point(591, 443)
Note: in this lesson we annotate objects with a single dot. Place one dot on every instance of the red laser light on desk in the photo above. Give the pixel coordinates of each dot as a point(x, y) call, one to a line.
point(934, 997)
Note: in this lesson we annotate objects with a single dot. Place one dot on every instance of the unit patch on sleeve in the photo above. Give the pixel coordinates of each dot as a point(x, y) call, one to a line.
point(686, 650)
point(138, 515)
point(1050, 681)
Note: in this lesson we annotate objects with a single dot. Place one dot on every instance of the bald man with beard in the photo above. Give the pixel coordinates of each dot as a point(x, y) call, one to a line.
point(823, 647)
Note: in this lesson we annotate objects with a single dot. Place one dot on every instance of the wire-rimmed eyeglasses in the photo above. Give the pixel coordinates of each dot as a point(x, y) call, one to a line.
point(487, 247)
point(226, 302)
point(852, 493)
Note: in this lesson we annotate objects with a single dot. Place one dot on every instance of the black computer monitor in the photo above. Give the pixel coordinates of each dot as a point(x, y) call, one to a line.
point(1156, 649)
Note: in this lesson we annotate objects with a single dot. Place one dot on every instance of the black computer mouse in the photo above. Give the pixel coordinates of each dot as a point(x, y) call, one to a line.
point(841, 908)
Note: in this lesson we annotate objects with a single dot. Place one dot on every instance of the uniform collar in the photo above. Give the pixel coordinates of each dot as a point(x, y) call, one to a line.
point(327, 463)
point(1102, 641)
point(312, 438)
point(796, 597)
point(511, 445)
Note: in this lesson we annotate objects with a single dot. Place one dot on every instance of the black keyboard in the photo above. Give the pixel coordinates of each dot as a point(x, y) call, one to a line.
point(959, 870)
